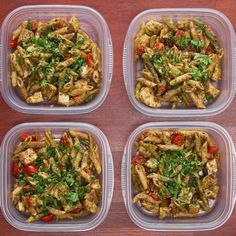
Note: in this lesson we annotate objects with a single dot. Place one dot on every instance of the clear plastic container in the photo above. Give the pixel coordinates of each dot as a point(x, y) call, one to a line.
point(226, 36)
point(224, 204)
point(15, 218)
point(90, 20)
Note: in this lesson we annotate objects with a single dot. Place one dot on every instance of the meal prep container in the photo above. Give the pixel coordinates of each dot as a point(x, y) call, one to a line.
point(225, 201)
point(226, 36)
point(90, 20)
point(17, 219)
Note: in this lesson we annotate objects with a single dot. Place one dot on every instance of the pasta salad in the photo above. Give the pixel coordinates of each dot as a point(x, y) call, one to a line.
point(181, 64)
point(55, 62)
point(56, 178)
point(174, 172)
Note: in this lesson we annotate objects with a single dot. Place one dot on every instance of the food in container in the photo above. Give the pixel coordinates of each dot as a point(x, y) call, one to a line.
point(91, 22)
point(174, 172)
point(56, 179)
point(221, 207)
point(180, 62)
point(105, 179)
point(55, 62)
point(225, 88)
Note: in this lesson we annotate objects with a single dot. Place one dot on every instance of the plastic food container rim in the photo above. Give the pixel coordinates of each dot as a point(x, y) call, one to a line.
point(108, 180)
point(107, 77)
point(176, 125)
point(179, 112)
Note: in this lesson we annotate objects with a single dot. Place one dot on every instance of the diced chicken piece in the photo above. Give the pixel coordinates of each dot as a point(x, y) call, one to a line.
point(63, 99)
point(153, 27)
point(28, 156)
point(84, 71)
point(143, 40)
point(212, 167)
point(37, 97)
point(25, 35)
point(20, 207)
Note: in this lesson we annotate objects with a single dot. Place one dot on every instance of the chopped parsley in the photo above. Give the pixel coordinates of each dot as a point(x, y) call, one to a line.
point(29, 25)
point(186, 42)
point(80, 40)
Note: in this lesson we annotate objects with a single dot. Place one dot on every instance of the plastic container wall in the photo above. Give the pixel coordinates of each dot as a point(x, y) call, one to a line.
point(226, 36)
point(224, 204)
point(18, 220)
point(90, 21)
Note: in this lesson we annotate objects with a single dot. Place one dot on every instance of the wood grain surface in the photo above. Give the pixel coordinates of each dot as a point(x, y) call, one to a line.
point(116, 117)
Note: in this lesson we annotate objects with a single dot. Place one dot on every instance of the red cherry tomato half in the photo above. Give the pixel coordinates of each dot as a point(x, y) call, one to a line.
point(154, 196)
point(28, 200)
point(137, 160)
point(140, 49)
point(47, 218)
point(24, 136)
point(161, 87)
point(159, 46)
point(30, 169)
point(180, 33)
point(142, 136)
point(13, 43)
point(63, 165)
point(77, 210)
point(68, 56)
point(64, 140)
point(89, 60)
point(177, 139)
point(77, 99)
point(190, 49)
point(15, 170)
point(151, 184)
point(212, 149)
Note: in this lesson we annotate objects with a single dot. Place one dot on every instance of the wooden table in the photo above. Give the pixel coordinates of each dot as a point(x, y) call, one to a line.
point(117, 117)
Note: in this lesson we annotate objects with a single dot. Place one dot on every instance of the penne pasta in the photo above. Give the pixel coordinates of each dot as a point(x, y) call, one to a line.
point(65, 169)
point(51, 58)
point(178, 61)
point(174, 172)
